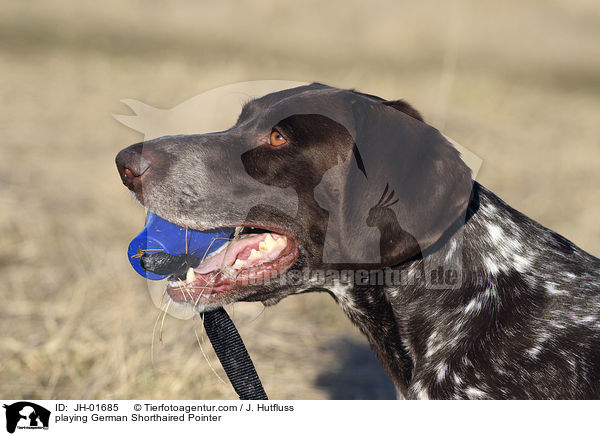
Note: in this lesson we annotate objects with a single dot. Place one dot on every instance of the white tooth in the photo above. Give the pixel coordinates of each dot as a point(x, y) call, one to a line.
point(262, 246)
point(269, 242)
point(190, 276)
point(238, 263)
point(254, 254)
point(282, 241)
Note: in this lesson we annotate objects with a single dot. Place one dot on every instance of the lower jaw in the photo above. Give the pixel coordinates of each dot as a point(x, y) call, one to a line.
point(198, 294)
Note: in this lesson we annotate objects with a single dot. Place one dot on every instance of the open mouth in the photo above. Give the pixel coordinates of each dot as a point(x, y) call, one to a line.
point(253, 257)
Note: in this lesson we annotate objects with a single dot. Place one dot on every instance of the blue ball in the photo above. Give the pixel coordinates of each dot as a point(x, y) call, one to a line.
point(161, 235)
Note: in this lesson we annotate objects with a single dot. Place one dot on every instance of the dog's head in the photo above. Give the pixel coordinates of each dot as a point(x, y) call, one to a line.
point(319, 178)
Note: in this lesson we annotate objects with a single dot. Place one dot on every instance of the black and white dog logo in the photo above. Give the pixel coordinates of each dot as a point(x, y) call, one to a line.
point(26, 415)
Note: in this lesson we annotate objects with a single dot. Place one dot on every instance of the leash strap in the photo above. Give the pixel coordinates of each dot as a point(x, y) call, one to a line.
point(221, 331)
point(233, 356)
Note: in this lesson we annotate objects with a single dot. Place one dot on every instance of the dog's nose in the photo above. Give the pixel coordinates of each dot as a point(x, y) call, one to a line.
point(132, 164)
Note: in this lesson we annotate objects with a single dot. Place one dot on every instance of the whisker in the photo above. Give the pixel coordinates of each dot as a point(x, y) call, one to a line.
point(154, 331)
point(162, 323)
point(202, 350)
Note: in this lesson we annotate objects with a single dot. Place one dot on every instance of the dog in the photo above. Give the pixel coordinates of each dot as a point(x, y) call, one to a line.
point(459, 295)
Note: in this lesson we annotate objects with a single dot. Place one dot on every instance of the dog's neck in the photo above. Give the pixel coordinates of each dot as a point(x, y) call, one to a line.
point(465, 291)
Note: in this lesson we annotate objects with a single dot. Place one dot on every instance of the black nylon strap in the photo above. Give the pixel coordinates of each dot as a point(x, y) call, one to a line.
point(221, 331)
point(232, 353)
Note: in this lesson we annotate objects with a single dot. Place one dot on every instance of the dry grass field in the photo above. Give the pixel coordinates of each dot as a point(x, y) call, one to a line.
point(515, 82)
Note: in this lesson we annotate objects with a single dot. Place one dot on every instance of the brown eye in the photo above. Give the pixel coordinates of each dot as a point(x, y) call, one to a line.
point(276, 139)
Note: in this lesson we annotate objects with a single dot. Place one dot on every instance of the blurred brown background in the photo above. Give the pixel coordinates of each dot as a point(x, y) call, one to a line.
point(517, 83)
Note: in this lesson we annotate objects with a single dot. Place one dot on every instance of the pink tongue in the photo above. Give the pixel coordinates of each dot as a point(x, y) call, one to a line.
point(212, 264)
point(229, 254)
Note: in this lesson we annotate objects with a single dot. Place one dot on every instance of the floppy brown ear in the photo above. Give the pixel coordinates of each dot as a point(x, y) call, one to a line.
point(414, 186)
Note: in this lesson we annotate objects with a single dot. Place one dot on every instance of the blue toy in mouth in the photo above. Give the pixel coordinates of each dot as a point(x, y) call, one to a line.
point(160, 235)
